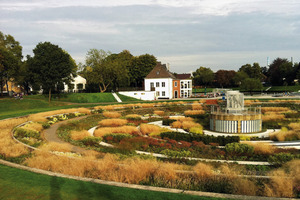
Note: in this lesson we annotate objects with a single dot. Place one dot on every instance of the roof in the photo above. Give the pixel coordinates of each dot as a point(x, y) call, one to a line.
point(160, 71)
point(183, 76)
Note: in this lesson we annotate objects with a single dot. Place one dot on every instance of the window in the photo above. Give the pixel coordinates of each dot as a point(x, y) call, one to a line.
point(189, 84)
point(151, 84)
point(135, 93)
point(181, 93)
point(181, 84)
point(163, 84)
point(175, 84)
point(163, 93)
point(157, 93)
point(157, 84)
point(185, 85)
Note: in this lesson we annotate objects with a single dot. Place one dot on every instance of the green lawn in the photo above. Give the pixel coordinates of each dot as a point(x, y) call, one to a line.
point(293, 88)
point(13, 108)
point(78, 97)
point(20, 184)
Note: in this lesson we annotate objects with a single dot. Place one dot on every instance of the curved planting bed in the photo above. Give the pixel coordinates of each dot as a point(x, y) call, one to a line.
point(181, 143)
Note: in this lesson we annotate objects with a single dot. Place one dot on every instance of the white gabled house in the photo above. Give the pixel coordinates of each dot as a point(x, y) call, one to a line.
point(160, 83)
point(79, 84)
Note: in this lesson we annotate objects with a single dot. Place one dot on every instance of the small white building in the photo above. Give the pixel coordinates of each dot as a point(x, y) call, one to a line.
point(79, 84)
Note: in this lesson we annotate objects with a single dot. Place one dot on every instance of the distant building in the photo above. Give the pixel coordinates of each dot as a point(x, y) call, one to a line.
point(160, 83)
point(78, 84)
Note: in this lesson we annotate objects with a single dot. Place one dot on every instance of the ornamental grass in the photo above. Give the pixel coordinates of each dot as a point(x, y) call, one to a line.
point(194, 112)
point(272, 116)
point(159, 112)
point(79, 135)
point(55, 146)
point(262, 147)
point(197, 106)
point(111, 114)
point(147, 129)
point(113, 122)
point(274, 109)
point(133, 116)
point(33, 126)
point(285, 135)
point(100, 132)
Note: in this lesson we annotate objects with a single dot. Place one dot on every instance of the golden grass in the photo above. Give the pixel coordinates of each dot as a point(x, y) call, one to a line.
point(159, 112)
point(272, 116)
point(274, 109)
point(176, 124)
point(100, 132)
point(243, 186)
point(197, 106)
point(283, 135)
point(33, 126)
point(147, 129)
point(194, 112)
point(84, 110)
point(190, 124)
point(262, 147)
point(79, 135)
point(133, 116)
point(113, 122)
point(111, 114)
point(55, 146)
point(295, 126)
point(203, 170)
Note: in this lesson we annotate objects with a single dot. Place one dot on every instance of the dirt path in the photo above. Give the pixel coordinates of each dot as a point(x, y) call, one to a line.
point(51, 136)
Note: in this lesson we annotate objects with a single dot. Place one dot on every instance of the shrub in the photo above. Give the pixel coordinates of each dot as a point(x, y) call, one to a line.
point(33, 126)
point(262, 148)
point(203, 170)
point(46, 125)
point(175, 154)
point(187, 125)
point(116, 138)
point(196, 130)
point(206, 139)
point(176, 124)
point(280, 158)
point(238, 149)
point(91, 141)
point(113, 122)
point(111, 114)
point(196, 106)
point(168, 121)
point(21, 132)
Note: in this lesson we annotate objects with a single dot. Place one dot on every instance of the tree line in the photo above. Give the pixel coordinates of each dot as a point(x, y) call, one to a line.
point(281, 72)
point(51, 66)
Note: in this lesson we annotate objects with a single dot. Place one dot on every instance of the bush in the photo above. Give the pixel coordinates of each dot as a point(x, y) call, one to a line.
point(206, 139)
point(21, 132)
point(91, 141)
point(237, 149)
point(117, 137)
point(168, 121)
point(280, 158)
point(46, 125)
point(175, 154)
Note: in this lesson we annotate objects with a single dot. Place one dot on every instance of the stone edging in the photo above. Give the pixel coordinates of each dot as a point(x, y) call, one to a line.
point(140, 187)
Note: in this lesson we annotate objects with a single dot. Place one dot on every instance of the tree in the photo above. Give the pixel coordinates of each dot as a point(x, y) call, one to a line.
point(103, 68)
point(224, 78)
point(251, 84)
point(51, 66)
point(203, 76)
point(10, 59)
point(281, 72)
point(140, 68)
point(239, 77)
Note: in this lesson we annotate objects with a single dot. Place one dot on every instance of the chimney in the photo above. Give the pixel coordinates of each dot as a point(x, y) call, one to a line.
point(168, 66)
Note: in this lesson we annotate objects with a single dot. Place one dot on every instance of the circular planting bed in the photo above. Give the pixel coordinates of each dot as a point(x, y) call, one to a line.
point(161, 145)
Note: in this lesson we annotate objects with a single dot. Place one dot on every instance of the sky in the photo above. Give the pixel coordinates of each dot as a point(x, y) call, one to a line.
point(187, 34)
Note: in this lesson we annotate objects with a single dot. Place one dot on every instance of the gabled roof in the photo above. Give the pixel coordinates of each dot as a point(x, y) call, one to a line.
point(183, 76)
point(160, 71)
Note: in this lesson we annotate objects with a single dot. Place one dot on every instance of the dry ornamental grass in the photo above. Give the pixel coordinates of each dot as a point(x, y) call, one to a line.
point(100, 132)
point(79, 135)
point(113, 122)
point(111, 114)
point(194, 112)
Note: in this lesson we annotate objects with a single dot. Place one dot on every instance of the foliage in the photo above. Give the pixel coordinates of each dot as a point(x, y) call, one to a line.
point(238, 149)
point(206, 139)
point(224, 78)
point(280, 158)
point(21, 132)
point(203, 76)
point(116, 137)
point(176, 154)
point(168, 121)
point(91, 141)
point(51, 66)
point(251, 84)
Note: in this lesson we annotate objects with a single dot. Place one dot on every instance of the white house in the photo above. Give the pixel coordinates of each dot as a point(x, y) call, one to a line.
point(160, 83)
point(79, 84)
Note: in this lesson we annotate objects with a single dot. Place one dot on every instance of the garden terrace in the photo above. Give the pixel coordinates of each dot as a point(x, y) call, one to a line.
point(122, 164)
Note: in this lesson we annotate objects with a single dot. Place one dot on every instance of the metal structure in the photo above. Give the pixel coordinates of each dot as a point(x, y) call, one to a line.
point(235, 118)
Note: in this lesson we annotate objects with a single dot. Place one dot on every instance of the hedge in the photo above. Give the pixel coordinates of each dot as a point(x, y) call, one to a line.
point(206, 139)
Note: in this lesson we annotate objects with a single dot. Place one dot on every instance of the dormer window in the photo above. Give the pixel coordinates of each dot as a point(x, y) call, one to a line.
point(157, 72)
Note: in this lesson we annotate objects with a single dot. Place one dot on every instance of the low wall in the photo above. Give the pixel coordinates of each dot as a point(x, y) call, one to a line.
point(142, 95)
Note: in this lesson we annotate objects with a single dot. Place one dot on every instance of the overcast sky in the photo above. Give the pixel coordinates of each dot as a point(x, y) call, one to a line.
point(187, 34)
